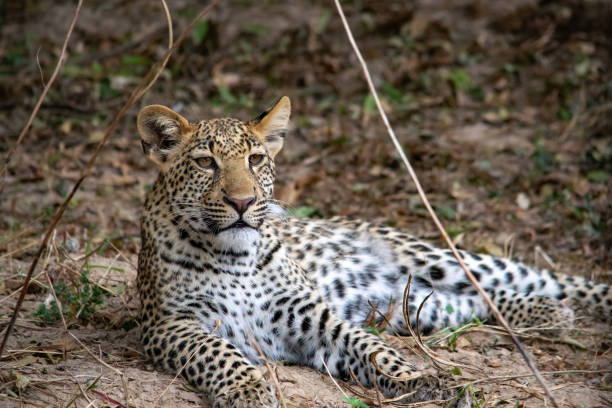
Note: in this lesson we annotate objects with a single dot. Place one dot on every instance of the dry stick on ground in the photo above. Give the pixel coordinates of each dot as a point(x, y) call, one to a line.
point(136, 94)
point(142, 87)
point(110, 367)
point(52, 289)
point(273, 373)
point(363, 393)
point(60, 62)
point(16, 251)
point(433, 215)
point(332, 377)
point(435, 357)
point(513, 377)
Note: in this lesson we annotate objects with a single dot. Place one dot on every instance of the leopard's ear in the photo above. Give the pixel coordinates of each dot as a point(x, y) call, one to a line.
point(272, 125)
point(162, 132)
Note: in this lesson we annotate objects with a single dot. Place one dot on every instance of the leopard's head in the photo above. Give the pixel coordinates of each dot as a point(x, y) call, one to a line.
point(219, 173)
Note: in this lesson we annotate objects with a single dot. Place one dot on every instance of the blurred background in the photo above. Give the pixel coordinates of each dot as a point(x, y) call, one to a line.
point(503, 107)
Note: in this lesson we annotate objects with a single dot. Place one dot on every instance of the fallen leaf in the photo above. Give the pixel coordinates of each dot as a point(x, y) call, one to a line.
point(463, 343)
point(291, 192)
point(522, 201)
point(489, 247)
point(493, 363)
point(419, 24)
point(66, 126)
point(27, 360)
point(64, 344)
point(21, 381)
point(581, 186)
point(96, 136)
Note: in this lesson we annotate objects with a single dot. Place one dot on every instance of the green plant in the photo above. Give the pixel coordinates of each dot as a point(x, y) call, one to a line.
point(228, 101)
point(355, 402)
point(476, 396)
point(449, 335)
point(447, 211)
point(199, 32)
point(303, 212)
point(78, 301)
point(461, 80)
point(543, 159)
point(374, 330)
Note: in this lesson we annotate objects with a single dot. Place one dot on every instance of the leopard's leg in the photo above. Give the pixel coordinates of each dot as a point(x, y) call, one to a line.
point(545, 296)
point(529, 310)
point(596, 298)
point(438, 266)
point(525, 295)
point(318, 335)
point(448, 308)
point(209, 363)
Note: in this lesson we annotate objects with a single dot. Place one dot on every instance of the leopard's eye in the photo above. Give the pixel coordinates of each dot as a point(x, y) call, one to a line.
point(206, 162)
point(256, 159)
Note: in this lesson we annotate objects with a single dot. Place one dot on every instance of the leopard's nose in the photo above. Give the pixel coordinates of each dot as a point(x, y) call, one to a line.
point(239, 204)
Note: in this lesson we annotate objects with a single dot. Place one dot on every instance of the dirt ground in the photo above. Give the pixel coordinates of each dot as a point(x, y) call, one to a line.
point(503, 107)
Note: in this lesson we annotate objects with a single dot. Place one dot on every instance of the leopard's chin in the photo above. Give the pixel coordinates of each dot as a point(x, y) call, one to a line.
point(237, 238)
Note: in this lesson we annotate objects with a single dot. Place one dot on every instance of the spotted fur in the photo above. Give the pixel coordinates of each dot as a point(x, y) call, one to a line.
point(220, 270)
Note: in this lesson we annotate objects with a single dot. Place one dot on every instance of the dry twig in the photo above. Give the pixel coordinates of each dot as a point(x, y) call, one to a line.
point(332, 377)
point(273, 373)
point(105, 364)
point(433, 215)
point(417, 336)
point(363, 393)
point(51, 288)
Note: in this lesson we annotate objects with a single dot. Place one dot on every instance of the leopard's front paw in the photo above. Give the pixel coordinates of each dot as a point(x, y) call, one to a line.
point(254, 394)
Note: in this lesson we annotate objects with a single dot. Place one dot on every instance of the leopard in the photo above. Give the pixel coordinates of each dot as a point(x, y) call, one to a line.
point(227, 279)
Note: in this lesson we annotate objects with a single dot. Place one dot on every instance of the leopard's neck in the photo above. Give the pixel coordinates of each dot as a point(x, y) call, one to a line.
point(232, 252)
point(235, 251)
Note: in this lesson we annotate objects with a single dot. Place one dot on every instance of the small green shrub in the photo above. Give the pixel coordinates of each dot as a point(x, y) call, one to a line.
point(78, 301)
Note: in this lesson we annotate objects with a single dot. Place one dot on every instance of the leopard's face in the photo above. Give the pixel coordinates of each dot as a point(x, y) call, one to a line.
point(218, 174)
point(222, 179)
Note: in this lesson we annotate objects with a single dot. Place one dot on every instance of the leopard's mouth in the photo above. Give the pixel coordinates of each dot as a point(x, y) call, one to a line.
point(237, 225)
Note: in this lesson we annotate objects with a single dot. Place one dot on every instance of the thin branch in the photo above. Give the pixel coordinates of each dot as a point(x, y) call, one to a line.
point(136, 94)
point(435, 358)
point(52, 289)
point(332, 377)
point(168, 54)
point(105, 364)
point(513, 377)
point(84, 394)
point(433, 215)
point(363, 391)
point(60, 62)
point(273, 373)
